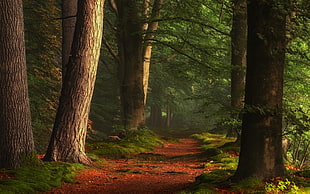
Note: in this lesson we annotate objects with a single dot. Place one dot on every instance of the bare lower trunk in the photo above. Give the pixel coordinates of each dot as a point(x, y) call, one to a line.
point(16, 141)
point(69, 132)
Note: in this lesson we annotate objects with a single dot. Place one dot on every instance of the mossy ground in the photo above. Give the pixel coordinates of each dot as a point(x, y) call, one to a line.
point(136, 141)
point(42, 176)
point(34, 179)
point(221, 153)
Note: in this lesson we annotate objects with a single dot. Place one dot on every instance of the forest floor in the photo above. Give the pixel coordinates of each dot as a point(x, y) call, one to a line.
point(170, 168)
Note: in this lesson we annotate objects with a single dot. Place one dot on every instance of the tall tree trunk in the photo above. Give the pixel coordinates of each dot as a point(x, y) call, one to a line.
point(238, 59)
point(131, 64)
point(69, 9)
point(150, 29)
point(69, 133)
point(261, 137)
point(16, 141)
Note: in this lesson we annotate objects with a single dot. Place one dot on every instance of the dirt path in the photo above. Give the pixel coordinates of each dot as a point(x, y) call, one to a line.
point(173, 168)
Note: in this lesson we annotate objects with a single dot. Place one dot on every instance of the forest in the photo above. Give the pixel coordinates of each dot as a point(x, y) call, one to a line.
point(84, 81)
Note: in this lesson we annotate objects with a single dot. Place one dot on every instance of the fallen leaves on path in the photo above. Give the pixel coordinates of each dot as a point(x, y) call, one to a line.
point(138, 176)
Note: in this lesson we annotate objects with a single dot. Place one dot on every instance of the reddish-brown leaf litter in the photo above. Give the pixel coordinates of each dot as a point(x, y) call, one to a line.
point(137, 176)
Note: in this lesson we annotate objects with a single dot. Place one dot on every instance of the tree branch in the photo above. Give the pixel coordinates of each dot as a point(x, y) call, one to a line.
point(110, 49)
point(183, 53)
point(192, 21)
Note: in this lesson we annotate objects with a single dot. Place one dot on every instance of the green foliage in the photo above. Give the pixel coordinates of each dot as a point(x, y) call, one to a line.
point(39, 178)
point(297, 132)
point(301, 178)
point(250, 185)
point(285, 186)
point(304, 173)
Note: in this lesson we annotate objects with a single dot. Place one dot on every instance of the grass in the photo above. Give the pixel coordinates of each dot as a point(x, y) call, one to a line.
point(33, 179)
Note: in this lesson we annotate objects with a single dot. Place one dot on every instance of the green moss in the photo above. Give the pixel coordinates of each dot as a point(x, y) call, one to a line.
point(30, 159)
point(250, 185)
point(136, 141)
point(219, 157)
point(207, 182)
point(210, 140)
point(39, 178)
point(229, 163)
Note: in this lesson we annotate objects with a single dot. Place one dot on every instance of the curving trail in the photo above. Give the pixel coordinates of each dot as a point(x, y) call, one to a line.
point(173, 174)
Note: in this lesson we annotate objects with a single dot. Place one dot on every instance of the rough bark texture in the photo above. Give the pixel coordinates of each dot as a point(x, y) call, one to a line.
point(69, 132)
point(261, 145)
point(16, 140)
point(131, 63)
point(238, 59)
point(69, 9)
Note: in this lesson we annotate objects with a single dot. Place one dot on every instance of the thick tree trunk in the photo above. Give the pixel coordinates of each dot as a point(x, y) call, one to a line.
point(131, 64)
point(16, 141)
point(69, 9)
point(261, 137)
point(69, 132)
point(238, 60)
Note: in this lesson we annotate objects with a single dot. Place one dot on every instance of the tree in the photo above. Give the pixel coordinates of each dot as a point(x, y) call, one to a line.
point(16, 142)
point(69, 133)
point(261, 136)
point(130, 45)
point(150, 29)
point(238, 59)
point(43, 54)
point(69, 9)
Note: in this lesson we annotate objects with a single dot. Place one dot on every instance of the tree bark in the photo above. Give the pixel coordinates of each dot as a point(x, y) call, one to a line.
point(131, 64)
point(150, 29)
point(16, 141)
point(69, 10)
point(261, 137)
point(69, 133)
point(238, 60)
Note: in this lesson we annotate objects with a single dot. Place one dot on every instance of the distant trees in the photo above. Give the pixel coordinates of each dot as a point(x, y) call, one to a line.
point(69, 133)
point(130, 46)
point(261, 137)
point(135, 32)
point(16, 141)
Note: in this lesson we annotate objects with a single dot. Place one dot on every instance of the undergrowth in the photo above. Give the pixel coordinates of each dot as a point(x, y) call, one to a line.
point(34, 179)
point(136, 141)
point(221, 154)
